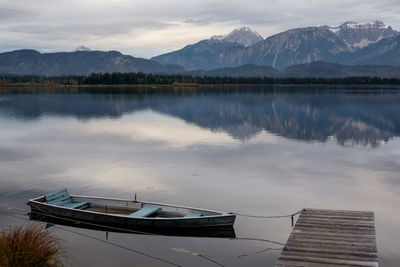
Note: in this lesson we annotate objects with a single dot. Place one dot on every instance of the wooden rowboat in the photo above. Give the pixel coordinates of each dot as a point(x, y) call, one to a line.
point(128, 214)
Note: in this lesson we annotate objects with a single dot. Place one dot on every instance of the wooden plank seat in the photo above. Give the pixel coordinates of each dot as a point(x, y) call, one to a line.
point(62, 198)
point(193, 215)
point(145, 212)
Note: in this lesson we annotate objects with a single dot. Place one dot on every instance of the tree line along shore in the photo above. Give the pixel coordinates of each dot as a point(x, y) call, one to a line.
point(182, 80)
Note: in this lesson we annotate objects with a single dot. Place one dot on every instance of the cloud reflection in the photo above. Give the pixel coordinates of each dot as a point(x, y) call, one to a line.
point(150, 125)
point(348, 119)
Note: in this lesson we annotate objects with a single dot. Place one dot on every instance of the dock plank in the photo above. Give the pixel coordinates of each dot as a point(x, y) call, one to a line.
point(326, 255)
point(321, 228)
point(344, 217)
point(330, 241)
point(336, 221)
point(331, 238)
point(329, 251)
point(341, 234)
point(334, 237)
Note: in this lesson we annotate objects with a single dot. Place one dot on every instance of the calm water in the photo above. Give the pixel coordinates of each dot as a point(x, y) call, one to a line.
point(259, 153)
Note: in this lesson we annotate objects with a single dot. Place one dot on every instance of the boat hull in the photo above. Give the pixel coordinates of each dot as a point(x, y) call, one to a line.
point(123, 221)
point(214, 232)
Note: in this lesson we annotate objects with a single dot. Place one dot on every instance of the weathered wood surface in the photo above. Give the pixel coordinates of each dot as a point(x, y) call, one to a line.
point(331, 238)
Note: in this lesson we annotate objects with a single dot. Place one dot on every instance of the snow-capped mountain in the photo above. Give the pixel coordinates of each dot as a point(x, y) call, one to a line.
point(210, 53)
point(359, 35)
point(344, 44)
point(243, 35)
point(297, 46)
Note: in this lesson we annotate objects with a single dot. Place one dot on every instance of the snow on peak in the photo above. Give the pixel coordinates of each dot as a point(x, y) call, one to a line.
point(218, 37)
point(242, 29)
point(372, 24)
point(351, 25)
point(82, 48)
point(243, 35)
point(359, 35)
point(334, 29)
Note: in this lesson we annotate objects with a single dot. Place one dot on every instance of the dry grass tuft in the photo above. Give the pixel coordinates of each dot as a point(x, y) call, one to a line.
point(29, 245)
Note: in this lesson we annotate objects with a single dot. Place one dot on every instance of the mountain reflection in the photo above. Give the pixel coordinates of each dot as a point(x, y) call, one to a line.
point(350, 119)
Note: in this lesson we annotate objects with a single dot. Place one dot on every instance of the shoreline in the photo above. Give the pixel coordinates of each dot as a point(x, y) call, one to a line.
point(194, 86)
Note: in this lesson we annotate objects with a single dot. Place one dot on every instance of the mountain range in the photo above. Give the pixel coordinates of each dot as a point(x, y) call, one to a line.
point(81, 62)
point(351, 49)
point(349, 44)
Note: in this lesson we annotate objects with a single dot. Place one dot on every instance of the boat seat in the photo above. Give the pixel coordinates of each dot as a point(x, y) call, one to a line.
point(145, 211)
point(62, 198)
point(77, 205)
point(193, 215)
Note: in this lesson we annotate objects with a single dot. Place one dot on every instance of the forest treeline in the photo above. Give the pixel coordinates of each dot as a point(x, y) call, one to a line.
point(164, 79)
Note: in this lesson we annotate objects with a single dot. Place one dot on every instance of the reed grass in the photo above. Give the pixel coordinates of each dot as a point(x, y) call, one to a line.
point(29, 245)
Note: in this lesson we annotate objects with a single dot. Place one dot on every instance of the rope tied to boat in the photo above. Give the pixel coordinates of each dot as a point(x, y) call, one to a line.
point(270, 216)
point(206, 257)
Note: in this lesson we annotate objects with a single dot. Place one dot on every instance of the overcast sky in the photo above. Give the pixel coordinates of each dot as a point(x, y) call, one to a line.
point(146, 28)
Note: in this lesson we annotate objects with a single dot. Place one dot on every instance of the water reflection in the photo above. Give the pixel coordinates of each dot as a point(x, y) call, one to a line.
point(254, 153)
point(349, 119)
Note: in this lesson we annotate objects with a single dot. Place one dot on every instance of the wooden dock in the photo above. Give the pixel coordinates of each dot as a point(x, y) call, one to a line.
point(331, 238)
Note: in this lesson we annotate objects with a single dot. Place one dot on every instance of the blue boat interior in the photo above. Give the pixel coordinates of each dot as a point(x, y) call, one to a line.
point(62, 198)
point(145, 212)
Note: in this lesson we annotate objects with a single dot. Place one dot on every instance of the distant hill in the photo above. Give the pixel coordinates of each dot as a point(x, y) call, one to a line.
point(247, 70)
point(314, 69)
point(350, 43)
point(332, 70)
point(81, 62)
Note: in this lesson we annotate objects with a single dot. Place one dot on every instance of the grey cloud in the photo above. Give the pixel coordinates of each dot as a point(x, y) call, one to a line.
point(68, 22)
point(12, 14)
point(99, 29)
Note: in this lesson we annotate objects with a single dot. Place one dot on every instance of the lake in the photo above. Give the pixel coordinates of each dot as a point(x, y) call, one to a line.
point(257, 151)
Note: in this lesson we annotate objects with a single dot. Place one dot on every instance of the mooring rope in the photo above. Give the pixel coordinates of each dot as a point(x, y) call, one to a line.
point(44, 213)
point(16, 215)
point(258, 252)
point(267, 216)
point(121, 246)
point(98, 239)
point(270, 216)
